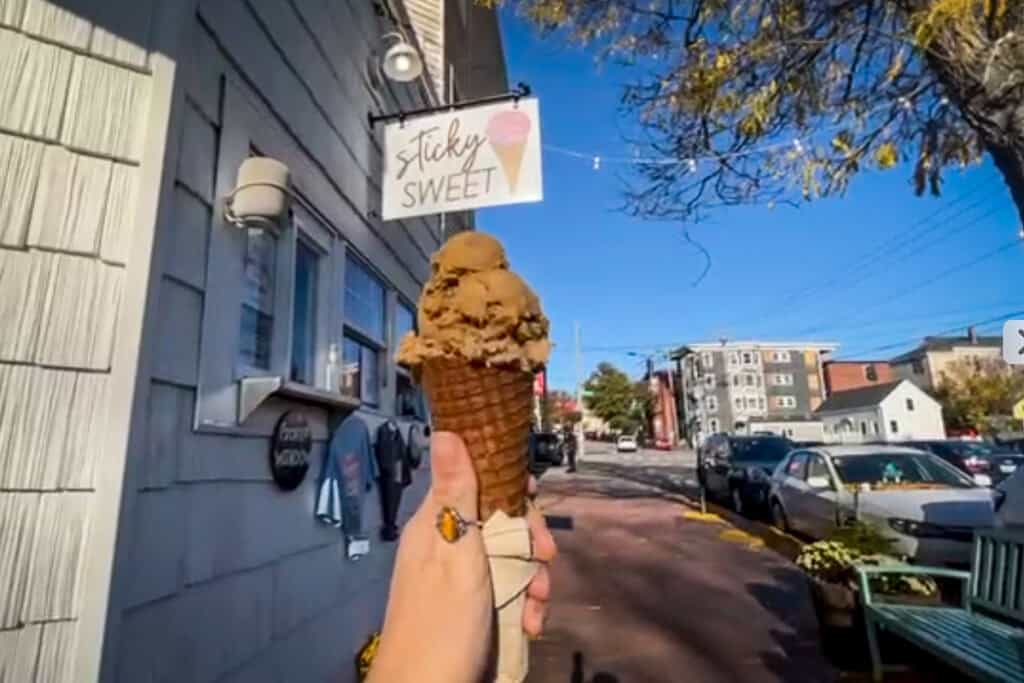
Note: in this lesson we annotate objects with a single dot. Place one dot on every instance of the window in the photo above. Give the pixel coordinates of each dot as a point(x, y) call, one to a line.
point(757, 358)
point(751, 403)
point(735, 380)
point(408, 400)
point(910, 404)
point(785, 401)
point(749, 380)
point(307, 270)
point(711, 403)
point(780, 356)
point(258, 292)
point(748, 358)
point(782, 380)
point(709, 381)
point(707, 360)
point(360, 373)
point(864, 428)
point(816, 467)
point(364, 300)
point(738, 403)
point(760, 403)
point(734, 359)
point(917, 366)
point(757, 380)
point(871, 373)
point(713, 425)
point(797, 466)
point(894, 427)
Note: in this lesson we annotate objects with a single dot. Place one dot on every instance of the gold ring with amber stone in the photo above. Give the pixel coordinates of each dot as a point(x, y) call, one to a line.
point(452, 525)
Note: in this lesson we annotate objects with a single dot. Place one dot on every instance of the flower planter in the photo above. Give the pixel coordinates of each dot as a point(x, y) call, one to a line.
point(834, 603)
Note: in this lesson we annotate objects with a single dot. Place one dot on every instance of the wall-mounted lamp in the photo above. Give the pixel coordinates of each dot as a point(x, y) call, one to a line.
point(401, 61)
point(261, 197)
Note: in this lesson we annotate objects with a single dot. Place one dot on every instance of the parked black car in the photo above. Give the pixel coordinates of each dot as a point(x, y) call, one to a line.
point(546, 447)
point(986, 463)
point(739, 468)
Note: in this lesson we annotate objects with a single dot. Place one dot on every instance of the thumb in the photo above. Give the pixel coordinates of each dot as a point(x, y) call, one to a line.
point(453, 479)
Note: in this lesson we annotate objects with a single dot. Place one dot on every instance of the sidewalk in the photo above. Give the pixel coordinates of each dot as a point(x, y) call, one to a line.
point(644, 594)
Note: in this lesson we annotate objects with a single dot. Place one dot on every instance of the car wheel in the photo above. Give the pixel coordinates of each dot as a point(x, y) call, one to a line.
point(737, 500)
point(779, 517)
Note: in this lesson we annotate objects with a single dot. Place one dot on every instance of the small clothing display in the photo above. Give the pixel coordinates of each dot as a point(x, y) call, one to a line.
point(348, 473)
point(419, 443)
point(395, 474)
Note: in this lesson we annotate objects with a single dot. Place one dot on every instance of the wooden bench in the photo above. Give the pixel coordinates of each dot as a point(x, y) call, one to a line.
point(984, 637)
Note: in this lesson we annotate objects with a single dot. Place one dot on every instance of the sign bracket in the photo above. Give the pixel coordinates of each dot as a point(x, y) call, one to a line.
point(522, 90)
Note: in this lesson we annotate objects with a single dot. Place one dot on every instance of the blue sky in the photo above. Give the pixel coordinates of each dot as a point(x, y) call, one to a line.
point(871, 271)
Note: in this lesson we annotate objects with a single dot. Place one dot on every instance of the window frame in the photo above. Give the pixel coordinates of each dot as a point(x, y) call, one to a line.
point(707, 360)
point(709, 381)
point(911, 407)
point(232, 402)
point(894, 426)
point(711, 404)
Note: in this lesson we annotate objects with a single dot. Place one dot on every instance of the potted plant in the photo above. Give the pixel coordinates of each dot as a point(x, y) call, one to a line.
point(830, 566)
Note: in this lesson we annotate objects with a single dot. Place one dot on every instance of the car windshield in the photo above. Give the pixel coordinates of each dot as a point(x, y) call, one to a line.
point(761, 450)
point(898, 470)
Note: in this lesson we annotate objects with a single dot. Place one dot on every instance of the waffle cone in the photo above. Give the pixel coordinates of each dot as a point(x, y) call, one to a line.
point(490, 408)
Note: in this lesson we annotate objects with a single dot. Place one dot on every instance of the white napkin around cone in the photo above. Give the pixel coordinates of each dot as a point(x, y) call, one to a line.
point(510, 555)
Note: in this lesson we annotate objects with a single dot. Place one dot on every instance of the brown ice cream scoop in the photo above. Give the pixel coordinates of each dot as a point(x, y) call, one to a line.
point(482, 335)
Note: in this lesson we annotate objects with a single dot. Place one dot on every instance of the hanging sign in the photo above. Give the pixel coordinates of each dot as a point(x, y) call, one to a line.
point(460, 160)
point(290, 449)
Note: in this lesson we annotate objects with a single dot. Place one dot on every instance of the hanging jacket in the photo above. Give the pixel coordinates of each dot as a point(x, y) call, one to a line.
point(348, 473)
point(392, 455)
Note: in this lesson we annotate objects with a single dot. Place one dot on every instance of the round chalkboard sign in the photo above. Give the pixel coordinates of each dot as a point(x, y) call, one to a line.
point(290, 449)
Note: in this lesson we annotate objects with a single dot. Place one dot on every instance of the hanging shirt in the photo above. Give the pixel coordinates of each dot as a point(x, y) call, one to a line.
point(348, 473)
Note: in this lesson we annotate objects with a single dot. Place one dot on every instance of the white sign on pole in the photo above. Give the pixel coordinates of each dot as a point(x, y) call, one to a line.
point(467, 159)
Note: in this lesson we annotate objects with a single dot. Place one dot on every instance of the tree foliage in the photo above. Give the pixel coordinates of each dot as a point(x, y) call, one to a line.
point(979, 395)
point(745, 101)
point(612, 396)
point(562, 408)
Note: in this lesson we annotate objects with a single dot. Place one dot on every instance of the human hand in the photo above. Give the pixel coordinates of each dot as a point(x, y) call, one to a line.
point(440, 617)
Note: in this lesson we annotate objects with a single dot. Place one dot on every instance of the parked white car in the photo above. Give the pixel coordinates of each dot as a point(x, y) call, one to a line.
point(626, 444)
point(927, 507)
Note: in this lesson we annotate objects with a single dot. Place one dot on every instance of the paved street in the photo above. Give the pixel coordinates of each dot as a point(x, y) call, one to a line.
point(645, 592)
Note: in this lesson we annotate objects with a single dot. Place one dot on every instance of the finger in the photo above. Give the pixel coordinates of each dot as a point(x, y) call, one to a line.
point(531, 487)
point(544, 548)
point(453, 480)
point(535, 613)
point(539, 587)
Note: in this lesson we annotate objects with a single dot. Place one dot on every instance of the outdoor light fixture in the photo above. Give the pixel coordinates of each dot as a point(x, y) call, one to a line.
point(401, 62)
point(261, 197)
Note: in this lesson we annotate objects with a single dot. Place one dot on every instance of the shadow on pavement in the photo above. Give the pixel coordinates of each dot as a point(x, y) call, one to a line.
point(579, 672)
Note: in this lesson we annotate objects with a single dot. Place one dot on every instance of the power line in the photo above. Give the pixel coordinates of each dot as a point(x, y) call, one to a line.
point(941, 276)
point(977, 324)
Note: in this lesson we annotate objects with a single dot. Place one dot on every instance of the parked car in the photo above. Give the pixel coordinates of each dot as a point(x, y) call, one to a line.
point(547, 447)
point(1009, 501)
point(987, 464)
point(928, 508)
point(739, 468)
point(626, 444)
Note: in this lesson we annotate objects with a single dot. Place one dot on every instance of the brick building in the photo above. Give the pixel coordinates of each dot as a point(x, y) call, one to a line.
point(843, 375)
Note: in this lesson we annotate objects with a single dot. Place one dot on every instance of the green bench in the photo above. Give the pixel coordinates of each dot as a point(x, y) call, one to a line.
point(984, 638)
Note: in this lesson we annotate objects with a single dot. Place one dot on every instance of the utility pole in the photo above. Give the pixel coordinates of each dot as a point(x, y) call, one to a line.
point(581, 436)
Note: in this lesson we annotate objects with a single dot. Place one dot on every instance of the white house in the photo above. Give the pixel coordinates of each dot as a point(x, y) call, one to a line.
point(895, 411)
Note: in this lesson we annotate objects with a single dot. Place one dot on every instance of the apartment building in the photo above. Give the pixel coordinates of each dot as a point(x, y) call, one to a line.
point(728, 384)
point(156, 357)
point(925, 364)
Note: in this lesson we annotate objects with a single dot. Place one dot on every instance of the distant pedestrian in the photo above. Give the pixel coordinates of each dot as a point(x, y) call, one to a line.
point(570, 449)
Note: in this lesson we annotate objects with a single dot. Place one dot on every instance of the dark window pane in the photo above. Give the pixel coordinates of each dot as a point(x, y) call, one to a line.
point(254, 339)
point(351, 378)
point(364, 299)
point(304, 317)
point(360, 372)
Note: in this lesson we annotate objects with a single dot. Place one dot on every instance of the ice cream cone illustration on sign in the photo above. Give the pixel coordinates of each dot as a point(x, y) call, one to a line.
point(508, 132)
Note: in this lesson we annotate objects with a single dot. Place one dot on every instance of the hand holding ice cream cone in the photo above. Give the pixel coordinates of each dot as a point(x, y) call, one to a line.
point(482, 336)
